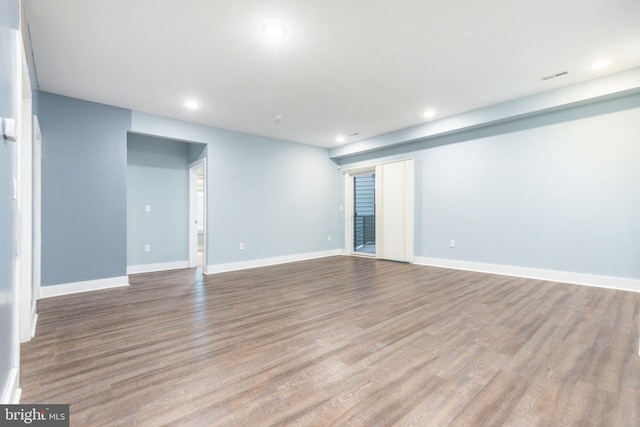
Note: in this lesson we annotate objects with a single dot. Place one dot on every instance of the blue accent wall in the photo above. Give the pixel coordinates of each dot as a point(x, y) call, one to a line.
point(9, 342)
point(557, 191)
point(158, 176)
point(84, 187)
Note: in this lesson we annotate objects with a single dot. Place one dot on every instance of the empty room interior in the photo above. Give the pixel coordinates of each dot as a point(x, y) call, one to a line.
point(321, 213)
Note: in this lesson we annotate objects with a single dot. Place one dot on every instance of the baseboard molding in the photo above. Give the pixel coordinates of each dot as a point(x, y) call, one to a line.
point(34, 323)
point(163, 266)
point(89, 285)
point(608, 282)
point(265, 262)
point(11, 392)
point(15, 397)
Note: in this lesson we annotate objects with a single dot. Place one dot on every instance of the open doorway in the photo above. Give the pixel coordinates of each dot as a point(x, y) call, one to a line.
point(360, 203)
point(197, 213)
point(364, 214)
point(379, 211)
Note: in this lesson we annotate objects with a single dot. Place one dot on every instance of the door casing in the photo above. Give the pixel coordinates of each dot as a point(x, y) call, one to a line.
point(193, 211)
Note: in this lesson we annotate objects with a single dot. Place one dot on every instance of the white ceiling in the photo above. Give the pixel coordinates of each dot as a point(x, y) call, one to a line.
point(344, 66)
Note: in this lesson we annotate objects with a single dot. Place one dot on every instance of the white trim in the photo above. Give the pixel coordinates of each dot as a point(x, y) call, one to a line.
point(163, 266)
point(11, 390)
point(265, 262)
point(89, 285)
point(25, 202)
point(37, 206)
point(348, 212)
point(608, 282)
point(15, 397)
point(34, 323)
point(193, 211)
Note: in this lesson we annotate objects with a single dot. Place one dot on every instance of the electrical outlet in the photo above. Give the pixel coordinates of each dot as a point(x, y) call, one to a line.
point(241, 246)
point(452, 243)
point(10, 129)
point(147, 248)
point(329, 238)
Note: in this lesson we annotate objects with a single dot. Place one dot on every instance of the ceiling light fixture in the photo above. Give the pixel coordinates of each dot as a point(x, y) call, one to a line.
point(600, 64)
point(192, 104)
point(429, 114)
point(274, 31)
point(340, 139)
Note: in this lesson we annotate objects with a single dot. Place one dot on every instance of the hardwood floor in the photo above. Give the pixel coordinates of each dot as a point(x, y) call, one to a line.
point(339, 341)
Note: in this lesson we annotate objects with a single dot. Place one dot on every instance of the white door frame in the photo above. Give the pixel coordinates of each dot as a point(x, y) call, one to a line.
point(25, 204)
point(193, 211)
point(37, 211)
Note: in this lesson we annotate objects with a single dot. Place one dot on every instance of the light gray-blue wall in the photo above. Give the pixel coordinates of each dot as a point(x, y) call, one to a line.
point(197, 152)
point(557, 191)
point(84, 189)
point(158, 176)
point(276, 197)
point(9, 342)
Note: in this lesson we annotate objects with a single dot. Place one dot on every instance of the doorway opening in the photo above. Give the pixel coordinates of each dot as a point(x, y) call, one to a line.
point(364, 214)
point(379, 211)
point(197, 213)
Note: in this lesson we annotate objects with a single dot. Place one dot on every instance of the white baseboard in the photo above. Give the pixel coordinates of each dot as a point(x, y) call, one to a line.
point(163, 266)
point(11, 392)
point(265, 262)
point(15, 398)
point(608, 282)
point(34, 322)
point(89, 285)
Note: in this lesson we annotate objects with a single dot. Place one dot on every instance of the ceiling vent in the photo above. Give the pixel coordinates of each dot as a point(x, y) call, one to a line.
point(553, 76)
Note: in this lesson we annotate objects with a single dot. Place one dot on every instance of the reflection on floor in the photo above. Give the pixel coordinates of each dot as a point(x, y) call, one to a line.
point(369, 248)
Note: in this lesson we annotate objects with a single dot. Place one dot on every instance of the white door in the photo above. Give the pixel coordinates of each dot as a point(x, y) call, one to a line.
point(394, 210)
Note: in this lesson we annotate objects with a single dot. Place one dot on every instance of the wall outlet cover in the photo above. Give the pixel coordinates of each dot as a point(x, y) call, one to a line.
point(10, 129)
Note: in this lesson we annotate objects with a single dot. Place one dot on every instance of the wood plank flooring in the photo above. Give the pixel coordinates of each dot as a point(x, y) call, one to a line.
point(339, 341)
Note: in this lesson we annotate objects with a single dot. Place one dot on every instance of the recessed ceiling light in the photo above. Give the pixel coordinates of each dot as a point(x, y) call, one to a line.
point(274, 31)
point(340, 139)
point(600, 64)
point(192, 104)
point(429, 114)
